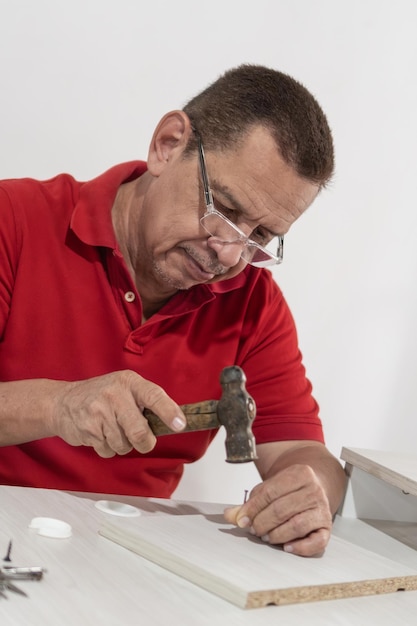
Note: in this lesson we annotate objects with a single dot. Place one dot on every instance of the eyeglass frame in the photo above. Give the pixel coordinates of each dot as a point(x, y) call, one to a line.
point(273, 259)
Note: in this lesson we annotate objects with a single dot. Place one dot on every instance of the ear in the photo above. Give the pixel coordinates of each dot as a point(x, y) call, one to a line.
point(169, 139)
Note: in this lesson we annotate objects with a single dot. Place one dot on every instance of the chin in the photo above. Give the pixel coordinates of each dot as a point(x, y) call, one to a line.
point(164, 277)
point(234, 271)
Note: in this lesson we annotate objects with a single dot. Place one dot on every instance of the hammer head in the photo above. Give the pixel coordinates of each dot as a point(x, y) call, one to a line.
point(236, 411)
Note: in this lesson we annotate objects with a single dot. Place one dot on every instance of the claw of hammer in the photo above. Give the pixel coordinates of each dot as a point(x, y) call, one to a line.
point(235, 411)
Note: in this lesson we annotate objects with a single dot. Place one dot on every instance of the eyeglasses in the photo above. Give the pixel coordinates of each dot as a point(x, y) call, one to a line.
point(219, 226)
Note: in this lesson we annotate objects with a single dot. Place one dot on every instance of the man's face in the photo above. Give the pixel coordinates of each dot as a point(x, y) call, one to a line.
point(251, 185)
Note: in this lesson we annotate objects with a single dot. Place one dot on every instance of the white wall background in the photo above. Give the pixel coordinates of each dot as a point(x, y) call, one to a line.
point(83, 83)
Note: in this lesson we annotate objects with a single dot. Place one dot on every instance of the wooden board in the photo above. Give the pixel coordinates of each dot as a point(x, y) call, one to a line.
point(249, 573)
point(395, 468)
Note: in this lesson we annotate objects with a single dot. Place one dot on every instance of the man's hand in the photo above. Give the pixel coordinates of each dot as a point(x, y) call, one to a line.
point(106, 413)
point(291, 509)
point(302, 489)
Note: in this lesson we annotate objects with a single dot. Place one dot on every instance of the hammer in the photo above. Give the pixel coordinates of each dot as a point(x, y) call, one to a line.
point(235, 411)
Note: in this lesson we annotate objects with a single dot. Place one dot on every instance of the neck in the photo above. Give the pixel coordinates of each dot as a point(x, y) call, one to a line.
point(123, 218)
point(126, 221)
point(149, 308)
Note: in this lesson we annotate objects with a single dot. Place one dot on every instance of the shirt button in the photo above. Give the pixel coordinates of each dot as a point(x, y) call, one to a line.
point(129, 296)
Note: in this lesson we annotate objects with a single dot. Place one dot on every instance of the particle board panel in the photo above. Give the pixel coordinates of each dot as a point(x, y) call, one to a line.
point(395, 468)
point(405, 532)
point(242, 569)
point(382, 485)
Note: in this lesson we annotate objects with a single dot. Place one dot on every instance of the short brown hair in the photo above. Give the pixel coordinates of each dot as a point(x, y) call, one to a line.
point(251, 95)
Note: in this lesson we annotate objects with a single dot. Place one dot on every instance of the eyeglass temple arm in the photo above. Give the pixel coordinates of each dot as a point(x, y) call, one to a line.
point(208, 197)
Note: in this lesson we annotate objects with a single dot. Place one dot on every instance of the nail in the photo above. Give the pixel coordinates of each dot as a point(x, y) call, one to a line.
point(9, 549)
point(243, 522)
point(178, 423)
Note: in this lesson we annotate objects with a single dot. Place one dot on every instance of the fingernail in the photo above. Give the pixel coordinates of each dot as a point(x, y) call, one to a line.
point(288, 548)
point(265, 538)
point(243, 522)
point(178, 423)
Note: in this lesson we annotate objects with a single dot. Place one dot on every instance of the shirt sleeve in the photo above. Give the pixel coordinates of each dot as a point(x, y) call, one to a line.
point(8, 257)
point(272, 361)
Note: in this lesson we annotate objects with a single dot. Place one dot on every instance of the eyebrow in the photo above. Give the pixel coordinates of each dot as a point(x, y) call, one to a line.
point(235, 204)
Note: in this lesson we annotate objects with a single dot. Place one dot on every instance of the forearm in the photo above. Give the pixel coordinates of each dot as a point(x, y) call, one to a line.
point(26, 410)
point(315, 455)
point(104, 412)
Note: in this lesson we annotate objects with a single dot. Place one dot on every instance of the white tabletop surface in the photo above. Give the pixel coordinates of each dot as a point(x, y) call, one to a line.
point(91, 580)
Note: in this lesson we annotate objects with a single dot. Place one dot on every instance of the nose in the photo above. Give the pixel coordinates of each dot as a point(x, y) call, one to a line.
point(228, 253)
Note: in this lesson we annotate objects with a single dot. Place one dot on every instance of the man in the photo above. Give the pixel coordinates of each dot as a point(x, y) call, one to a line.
point(135, 289)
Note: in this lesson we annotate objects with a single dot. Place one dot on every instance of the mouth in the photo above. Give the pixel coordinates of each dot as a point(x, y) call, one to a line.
point(197, 271)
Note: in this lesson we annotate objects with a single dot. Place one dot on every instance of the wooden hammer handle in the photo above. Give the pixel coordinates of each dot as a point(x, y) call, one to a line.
point(200, 416)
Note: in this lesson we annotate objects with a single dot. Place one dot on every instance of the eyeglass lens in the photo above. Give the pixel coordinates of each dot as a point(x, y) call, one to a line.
point(218, 226)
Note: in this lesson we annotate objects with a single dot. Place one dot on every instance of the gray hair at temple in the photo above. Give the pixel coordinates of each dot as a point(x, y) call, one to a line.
point(250, 95)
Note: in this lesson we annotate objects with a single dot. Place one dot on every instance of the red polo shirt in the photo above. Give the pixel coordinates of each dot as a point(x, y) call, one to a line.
point(69, 310)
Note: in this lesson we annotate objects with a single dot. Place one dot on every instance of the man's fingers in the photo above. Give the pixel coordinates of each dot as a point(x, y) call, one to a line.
point(296, 527)
point(104, 450)
point(114, 436)
point(157, 400)
point(231, 514)
point(132, 432)
point(273, 502)
point(298, 513)
point(312, 545)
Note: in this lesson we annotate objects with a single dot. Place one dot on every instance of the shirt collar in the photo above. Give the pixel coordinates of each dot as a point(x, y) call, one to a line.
point(91, 219)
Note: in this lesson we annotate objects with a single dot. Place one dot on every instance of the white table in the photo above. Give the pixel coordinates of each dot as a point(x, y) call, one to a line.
point(91, 580)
